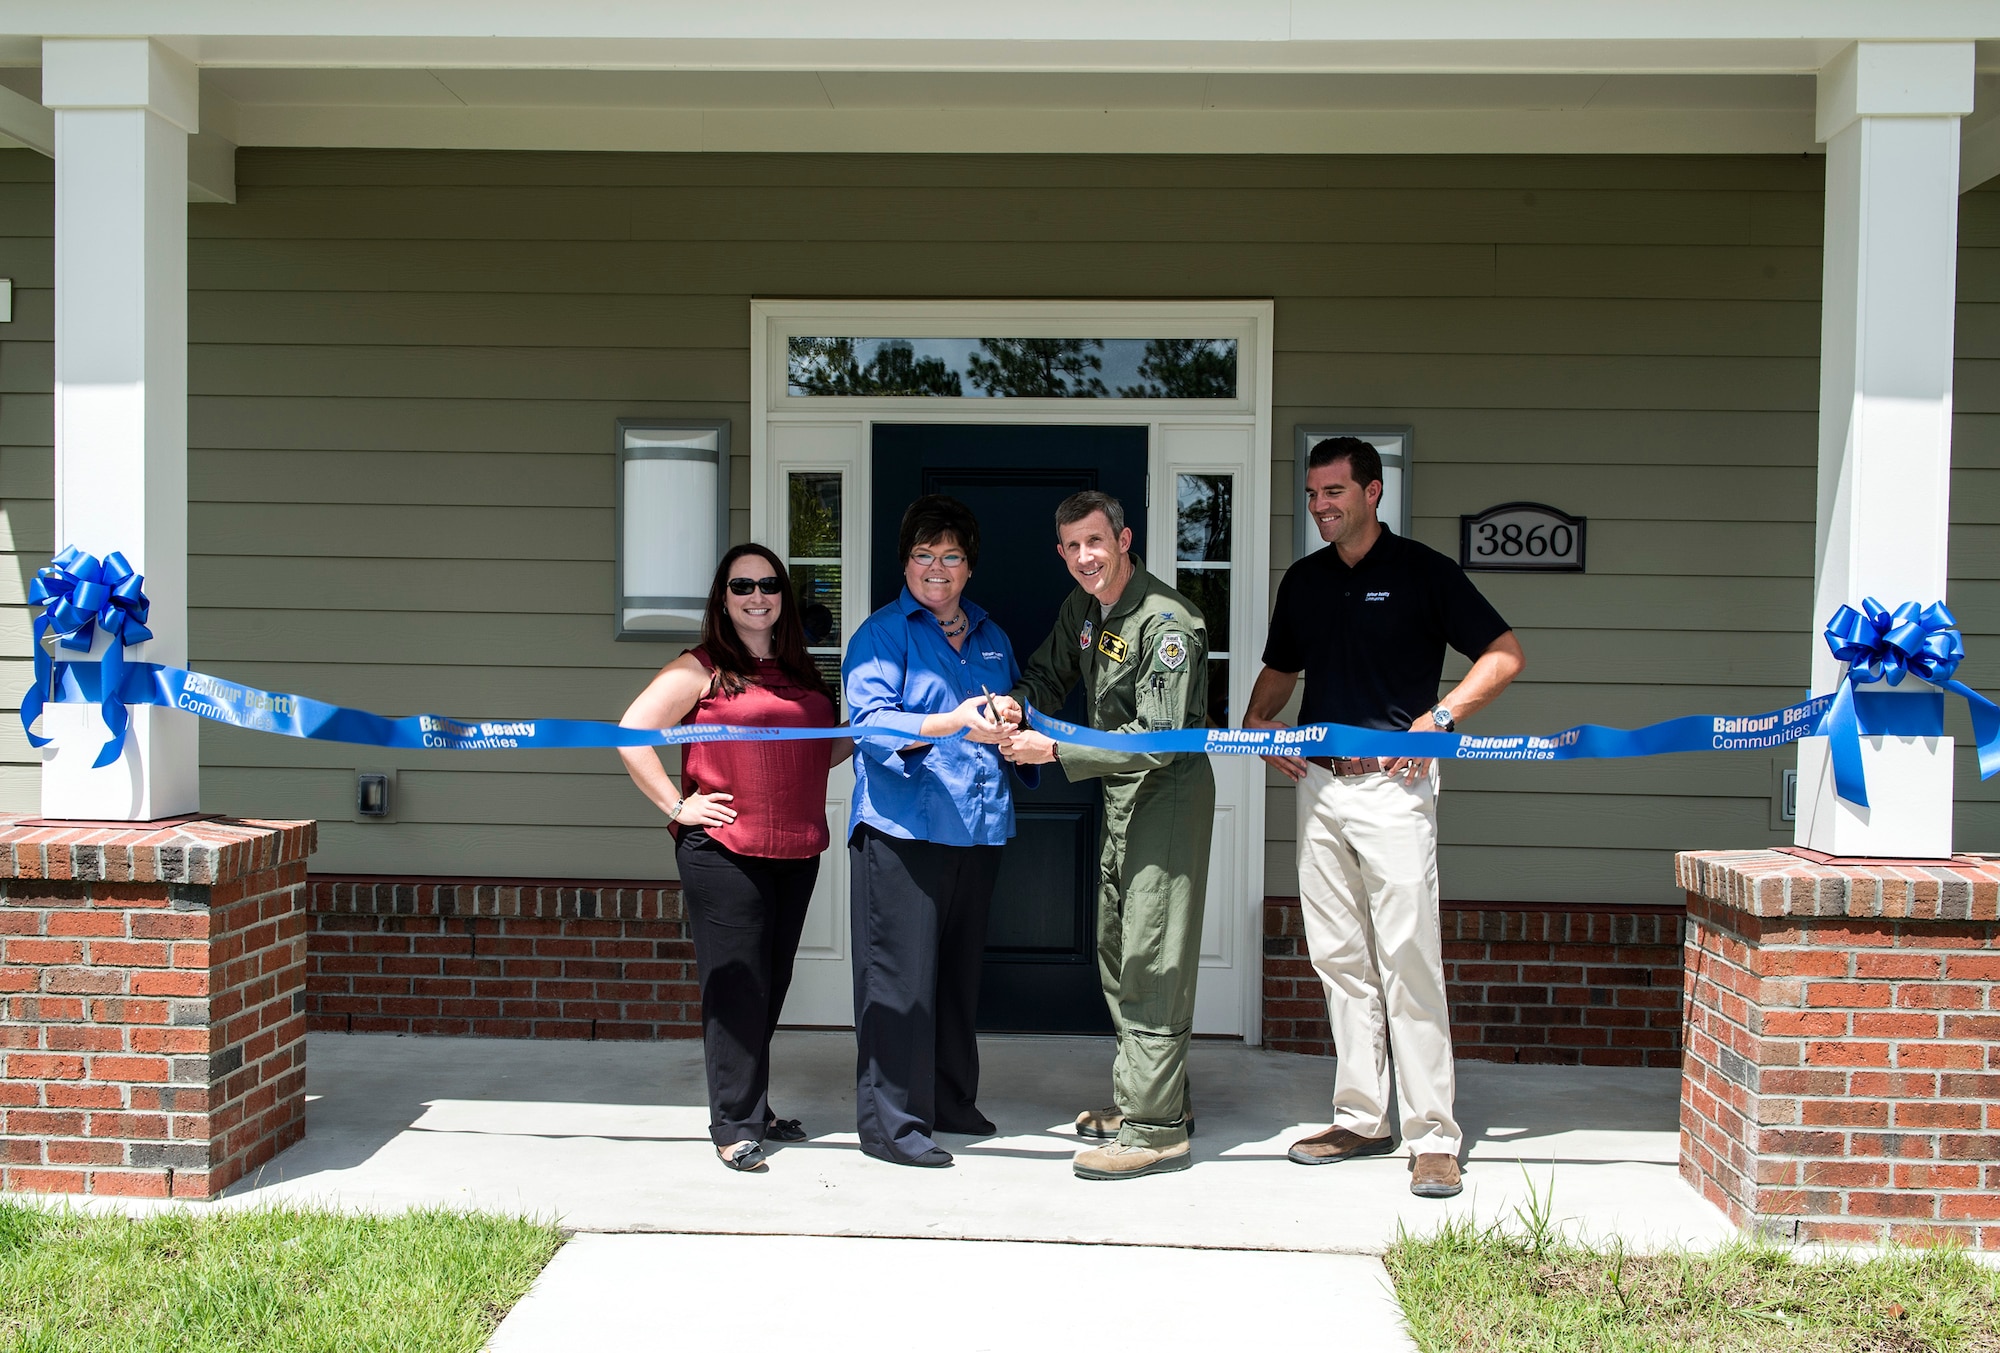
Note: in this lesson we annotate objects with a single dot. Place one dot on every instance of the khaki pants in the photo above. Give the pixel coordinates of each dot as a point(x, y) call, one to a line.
point(1368, 886)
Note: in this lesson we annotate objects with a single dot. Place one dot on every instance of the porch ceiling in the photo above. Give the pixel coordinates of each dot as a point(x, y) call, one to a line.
point(1032, 76)
point(1744, 35)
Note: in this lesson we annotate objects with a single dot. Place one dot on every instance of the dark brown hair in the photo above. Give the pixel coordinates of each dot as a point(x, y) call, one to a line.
point(734, 667)
point(1364, 462)
point(1077, 506)
point(933, 517)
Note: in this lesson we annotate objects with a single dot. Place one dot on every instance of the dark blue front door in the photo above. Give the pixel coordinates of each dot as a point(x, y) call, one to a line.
point(1041, 952)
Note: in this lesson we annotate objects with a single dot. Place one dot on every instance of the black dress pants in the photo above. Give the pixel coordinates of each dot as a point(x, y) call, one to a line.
point(919, 914)
point(745, 915)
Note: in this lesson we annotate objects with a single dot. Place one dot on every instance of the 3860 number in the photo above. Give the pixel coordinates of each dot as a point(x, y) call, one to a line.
point(1537, 542)
point(1522, 536)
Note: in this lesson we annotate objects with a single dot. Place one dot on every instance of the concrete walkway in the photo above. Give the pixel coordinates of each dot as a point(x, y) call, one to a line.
point(612, 1137)
point(610, 1140)
point(603, 1293)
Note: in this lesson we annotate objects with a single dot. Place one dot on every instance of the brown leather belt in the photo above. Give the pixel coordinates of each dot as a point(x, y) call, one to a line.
point(1346, 765)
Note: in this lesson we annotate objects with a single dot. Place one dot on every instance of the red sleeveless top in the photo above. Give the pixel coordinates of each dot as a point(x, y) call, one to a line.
point(780, 787)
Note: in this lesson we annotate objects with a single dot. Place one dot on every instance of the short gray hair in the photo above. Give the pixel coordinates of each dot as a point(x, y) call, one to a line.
point(1080, 505)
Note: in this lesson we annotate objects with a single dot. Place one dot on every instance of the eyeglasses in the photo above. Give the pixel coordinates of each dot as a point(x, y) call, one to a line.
point(925, 559)
point(743, 587)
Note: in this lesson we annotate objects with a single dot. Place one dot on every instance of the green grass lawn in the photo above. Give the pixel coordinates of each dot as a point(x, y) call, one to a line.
point(1476, 1290)
point(285, 1280)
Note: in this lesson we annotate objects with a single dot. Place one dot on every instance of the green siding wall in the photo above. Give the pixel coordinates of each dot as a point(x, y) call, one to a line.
point(406, 367)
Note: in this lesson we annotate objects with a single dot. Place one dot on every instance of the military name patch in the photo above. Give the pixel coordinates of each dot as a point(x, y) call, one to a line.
point(1112, 647)
point(1088, 635)
point(1173, 650)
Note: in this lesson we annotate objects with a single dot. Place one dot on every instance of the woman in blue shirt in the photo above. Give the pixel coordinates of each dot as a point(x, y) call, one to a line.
point(924, 838)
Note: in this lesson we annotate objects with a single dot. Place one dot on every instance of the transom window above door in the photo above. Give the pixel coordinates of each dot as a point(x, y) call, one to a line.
point(1012, 368)
point(857, 407)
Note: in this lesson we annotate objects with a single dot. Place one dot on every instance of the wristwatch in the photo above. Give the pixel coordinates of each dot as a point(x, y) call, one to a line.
point(1442, 718)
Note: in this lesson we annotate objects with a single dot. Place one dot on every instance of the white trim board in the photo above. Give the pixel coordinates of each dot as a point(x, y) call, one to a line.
point(1451, 131)
point(790, 433)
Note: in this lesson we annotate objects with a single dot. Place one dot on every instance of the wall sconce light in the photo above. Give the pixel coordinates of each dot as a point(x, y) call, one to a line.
point(373, 794)
point(673, 523)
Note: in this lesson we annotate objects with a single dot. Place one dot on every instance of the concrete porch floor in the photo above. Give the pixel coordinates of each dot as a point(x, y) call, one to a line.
point(612, 1137)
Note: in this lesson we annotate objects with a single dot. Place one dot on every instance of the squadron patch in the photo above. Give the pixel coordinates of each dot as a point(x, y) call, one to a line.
point(1088, 636)
point(1112, 647)
point(1173, 650)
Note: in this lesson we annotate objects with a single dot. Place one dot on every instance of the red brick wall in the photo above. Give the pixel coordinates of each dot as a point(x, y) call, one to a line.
point(1592, 986)
point(502, 960)
point(1843, 1074)
point(153, 1032)
point(564, 959)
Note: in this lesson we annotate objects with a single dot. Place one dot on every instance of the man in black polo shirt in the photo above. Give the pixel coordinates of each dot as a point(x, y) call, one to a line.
point(1367, 620)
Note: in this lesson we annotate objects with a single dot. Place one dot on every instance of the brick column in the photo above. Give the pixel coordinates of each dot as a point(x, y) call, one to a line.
point(154, 980)
point(1842, 1073)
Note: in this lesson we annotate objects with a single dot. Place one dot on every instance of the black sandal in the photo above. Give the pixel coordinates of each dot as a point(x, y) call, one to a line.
point(750, 1157)
point(784, 1130)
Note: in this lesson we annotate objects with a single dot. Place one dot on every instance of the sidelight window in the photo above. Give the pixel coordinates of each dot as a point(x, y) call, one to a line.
point(814, 504)
point(1204, 570)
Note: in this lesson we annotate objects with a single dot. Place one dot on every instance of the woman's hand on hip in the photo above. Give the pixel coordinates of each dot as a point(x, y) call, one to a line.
point(706, 810)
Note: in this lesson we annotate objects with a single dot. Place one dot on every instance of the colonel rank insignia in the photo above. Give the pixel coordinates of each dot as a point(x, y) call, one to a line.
point(1173, 650)
point(1112, 647)
point(1083, 640)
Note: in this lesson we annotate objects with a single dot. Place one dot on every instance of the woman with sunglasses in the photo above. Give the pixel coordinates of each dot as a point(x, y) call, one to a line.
point(749, 822)
point(924, 839)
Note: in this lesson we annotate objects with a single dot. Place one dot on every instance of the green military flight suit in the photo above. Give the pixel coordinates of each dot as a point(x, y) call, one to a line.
point(1145, 669)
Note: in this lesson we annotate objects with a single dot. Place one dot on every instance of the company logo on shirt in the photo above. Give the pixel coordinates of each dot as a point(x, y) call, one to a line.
point(991, 657)
point(1377, 596)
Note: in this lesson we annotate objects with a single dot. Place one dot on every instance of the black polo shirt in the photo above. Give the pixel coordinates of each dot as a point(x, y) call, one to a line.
point(1371, 639)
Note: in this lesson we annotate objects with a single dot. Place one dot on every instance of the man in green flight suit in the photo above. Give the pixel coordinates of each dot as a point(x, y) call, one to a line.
point(1141, 651)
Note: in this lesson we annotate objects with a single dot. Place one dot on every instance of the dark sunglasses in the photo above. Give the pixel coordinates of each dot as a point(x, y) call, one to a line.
point(743, 587)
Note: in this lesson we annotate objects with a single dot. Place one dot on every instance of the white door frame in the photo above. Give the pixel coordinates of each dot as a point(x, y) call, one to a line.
point(791, 432)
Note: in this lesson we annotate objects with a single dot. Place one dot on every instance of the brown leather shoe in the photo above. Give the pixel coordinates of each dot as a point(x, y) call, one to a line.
point(1434, 1175)
point(1337, 1143)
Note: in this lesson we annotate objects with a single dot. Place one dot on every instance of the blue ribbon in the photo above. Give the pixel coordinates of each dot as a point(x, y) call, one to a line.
point(1690, 733)
point(300, 716)
point(1880, 645)
point(80, 594)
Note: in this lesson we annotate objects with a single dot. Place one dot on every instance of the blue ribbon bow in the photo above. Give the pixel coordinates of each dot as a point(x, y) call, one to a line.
point(1879, 645)
point(80, 594)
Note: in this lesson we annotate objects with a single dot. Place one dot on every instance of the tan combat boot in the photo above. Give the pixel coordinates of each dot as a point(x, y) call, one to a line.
point(1100, 1124)
point(1118, 1161)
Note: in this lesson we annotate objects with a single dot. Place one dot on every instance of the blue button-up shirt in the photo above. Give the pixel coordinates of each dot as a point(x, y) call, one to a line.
point(900, 668)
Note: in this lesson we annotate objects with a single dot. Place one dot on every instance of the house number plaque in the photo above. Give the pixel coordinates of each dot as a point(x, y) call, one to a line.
point(1521, 538)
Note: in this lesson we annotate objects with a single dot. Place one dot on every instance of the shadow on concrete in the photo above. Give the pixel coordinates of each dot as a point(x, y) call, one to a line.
point(613, 1136)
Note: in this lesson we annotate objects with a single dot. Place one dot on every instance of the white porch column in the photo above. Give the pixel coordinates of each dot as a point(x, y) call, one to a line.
point(1889, 114)
point(123, 111)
